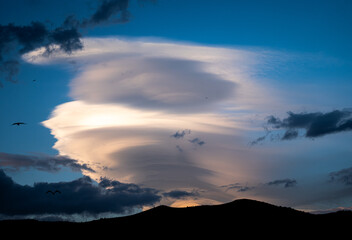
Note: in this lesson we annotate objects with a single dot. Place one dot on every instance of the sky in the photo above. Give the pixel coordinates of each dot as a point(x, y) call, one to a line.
point(130, 104)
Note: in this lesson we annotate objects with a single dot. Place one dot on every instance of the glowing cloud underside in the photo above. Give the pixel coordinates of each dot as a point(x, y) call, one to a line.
point(131, 96)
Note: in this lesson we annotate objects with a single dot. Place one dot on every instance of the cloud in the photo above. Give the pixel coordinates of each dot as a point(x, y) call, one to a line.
point(179, 148)
point(131, 95)
point(41, 162)
point(290, 134)
point(106, 10)
point(79, 196)
point(17, 40)
point(68, 40)
point(343, 176)
point(8, 69)
point(181, 134)
point(26, 37)
point(126, 103)
point(315, 124)
point(197, 141)
point(258, 140)
point(153, 83)
point(179, 194)
point(156, 75)
point(237, 186)
point(286, 182)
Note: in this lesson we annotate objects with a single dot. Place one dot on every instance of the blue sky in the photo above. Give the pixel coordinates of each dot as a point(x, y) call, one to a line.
point(218, 69)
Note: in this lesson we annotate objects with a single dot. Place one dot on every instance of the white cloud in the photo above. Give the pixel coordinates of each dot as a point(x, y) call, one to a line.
point(130, 96)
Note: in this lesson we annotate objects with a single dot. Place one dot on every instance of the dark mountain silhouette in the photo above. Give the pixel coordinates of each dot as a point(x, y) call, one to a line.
point(238, 218)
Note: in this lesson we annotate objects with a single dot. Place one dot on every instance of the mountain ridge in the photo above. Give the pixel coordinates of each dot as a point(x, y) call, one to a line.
point(245, 215)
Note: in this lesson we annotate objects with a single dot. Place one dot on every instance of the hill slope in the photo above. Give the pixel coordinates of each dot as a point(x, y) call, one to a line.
point(244, 216)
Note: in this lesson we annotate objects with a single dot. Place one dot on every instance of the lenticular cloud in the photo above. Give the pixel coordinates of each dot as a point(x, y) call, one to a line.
point(130, 96)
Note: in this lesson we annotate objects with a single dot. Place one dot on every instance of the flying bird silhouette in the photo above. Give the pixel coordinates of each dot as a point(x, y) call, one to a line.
point(53, 193)
point(18, 123)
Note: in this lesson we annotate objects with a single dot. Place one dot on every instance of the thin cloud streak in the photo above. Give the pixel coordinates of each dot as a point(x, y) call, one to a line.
point(41, 162)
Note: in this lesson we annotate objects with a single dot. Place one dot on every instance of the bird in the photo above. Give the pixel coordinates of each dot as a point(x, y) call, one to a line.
point(18, 123)
point(53, 193)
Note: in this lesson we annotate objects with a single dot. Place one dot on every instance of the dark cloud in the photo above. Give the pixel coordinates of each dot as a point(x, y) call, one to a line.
point(111, 11)
point(17, 40)
point(40, 162)
point(237, 186)
point(343, 176)
point(262, 138)
point(178, 194)
point(316, 124)
point(79, 196)
point(108, 9)
point(68, 39)
point(258, 140)
point(27, 37)
point(244, 189)
point(276, 122)
point(197, 141)
point(290, 134)
point(181, 134)
point(285, 182)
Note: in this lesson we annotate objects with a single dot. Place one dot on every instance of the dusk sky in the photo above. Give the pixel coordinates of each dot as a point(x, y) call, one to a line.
point(130, 104)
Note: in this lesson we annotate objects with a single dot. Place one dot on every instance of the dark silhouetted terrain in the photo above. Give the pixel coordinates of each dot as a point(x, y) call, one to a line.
point(238, 218)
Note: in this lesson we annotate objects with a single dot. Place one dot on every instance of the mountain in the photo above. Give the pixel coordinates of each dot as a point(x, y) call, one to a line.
point(242, 217)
